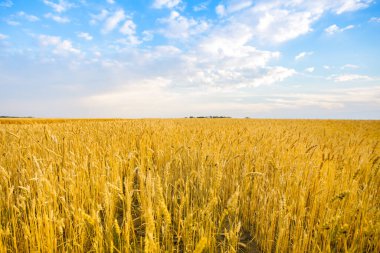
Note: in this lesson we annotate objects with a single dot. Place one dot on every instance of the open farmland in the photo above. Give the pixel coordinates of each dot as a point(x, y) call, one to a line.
point(189, 185)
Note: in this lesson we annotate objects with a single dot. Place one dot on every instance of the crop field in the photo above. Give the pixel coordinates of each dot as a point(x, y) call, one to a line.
point(189, 185)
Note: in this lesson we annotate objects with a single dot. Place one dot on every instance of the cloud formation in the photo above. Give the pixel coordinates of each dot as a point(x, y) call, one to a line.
point(165, 3)
point(302, 55)
point(28, 17)
point(60, 5)
point(113, 21)
point(375, 19)
point(85, 36)
point(350, 66)
point(57, 18)
point(332, 29)
point(202, 6)
point(60, 46)
point(3, 36)
point(350, 78)
point(177, 58)
point(180, 27)
point(6, 3)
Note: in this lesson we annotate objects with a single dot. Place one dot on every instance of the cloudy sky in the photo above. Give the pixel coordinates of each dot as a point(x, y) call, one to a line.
point(176, 58)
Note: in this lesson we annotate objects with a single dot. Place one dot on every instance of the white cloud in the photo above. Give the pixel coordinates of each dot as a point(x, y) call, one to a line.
point(147, 35)
point(161, 51)
point(232, 6)
point(112, 64)
point(3, 36)
point(85, 36)
point(56, 18)
point(282, 25)
point(97, 54)
point(281, 21)
point(60, 6)
point(230, 41)
point(351, 5)
point(129, 27)
point(231, 44)
point(224, 60)
point(95, 18)
point(302, 55)
point(350, 78)
point(165, 3)
point(310, 69)
point(202, 6)
point(238, 5)
point(274, 75)
point(136, 98)
point(140, 98)
point(332, 99)
point(6, 4)
point(129, 40)
point(12, 22)
point(61, 47)
point(220, 10)
point(180, 27)
point(350, 66)
point(30, 18)
point(111, 1)
point(375, 19)
point(335, 29)
point(113, 21)
point(298, 101)
point(271, 21)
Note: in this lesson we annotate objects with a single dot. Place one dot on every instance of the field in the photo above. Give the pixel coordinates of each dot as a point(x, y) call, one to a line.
point(189, 185)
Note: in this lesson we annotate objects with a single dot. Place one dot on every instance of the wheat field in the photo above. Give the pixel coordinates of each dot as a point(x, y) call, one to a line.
point(189, 185)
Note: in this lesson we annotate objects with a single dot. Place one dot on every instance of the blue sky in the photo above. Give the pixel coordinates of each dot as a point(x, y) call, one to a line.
point(176, 58)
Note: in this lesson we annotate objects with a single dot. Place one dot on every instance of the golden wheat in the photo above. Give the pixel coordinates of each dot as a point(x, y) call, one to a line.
point(189, 185)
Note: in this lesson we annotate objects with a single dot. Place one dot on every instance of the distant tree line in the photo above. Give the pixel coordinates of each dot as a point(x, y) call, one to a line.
point(209, 117)
point(11, 117)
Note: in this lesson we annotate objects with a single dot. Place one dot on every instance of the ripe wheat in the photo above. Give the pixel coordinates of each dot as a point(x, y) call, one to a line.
point(189, 185)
